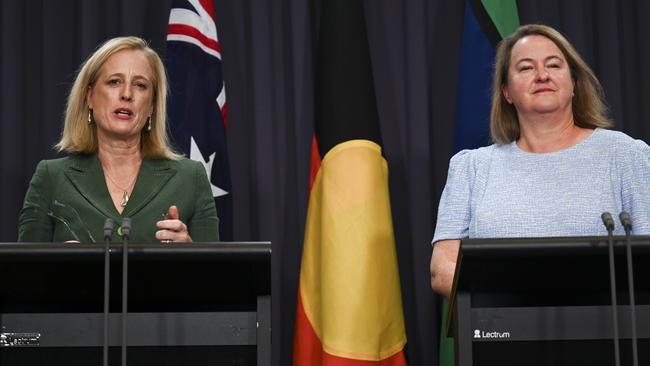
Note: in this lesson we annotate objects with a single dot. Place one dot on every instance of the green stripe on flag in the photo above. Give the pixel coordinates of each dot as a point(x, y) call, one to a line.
point(446, 356)
point(504, 15)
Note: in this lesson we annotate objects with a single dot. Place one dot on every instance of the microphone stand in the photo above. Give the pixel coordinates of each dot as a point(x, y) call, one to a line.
point(627, 225)
point(126, 231)
point(608, 221)
point(109, 226)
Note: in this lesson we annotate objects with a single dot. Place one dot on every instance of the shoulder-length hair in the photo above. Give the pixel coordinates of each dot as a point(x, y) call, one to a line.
point(80, 137)
point(588, 103)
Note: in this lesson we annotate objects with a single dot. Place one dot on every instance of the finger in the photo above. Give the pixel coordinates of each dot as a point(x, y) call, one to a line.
point(165, 235)
point(173, 225)
point(181, 227)
point(172, 213)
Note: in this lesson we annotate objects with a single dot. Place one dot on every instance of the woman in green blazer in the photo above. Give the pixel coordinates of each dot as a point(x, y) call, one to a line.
point(120, 163)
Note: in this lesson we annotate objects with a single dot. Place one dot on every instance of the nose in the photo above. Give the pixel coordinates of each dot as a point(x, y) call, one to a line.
point(126, 94)
point(542, 75)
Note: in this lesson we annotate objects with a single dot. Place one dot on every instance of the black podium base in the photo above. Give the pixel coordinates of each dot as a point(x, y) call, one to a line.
point(557, 353)
point(159, 356)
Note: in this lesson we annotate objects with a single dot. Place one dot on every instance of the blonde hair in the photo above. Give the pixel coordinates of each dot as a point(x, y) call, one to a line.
point(588, 103)
point(79, 136)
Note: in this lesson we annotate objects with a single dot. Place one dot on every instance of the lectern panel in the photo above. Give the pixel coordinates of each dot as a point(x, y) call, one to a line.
point(547, 301)
point(205, 303)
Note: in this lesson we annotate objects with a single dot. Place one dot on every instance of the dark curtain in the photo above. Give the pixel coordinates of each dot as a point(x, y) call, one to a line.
point(267, 59)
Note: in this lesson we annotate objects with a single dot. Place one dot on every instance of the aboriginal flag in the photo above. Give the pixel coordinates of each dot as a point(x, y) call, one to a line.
point(349, 309)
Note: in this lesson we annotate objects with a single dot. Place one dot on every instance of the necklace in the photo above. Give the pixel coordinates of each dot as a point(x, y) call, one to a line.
point(125, 195)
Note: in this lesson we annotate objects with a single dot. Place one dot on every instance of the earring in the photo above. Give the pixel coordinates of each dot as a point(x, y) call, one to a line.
point(90, 116)
point(149, 123)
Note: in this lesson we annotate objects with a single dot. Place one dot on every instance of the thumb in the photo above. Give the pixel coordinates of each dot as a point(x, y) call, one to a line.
point(172, 213)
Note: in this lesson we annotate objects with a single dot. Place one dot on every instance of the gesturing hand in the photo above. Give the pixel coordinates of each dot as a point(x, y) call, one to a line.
point(172, 228)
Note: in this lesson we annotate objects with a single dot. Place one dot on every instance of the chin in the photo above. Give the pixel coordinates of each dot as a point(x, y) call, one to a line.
point(546, 107)
point(545, 110)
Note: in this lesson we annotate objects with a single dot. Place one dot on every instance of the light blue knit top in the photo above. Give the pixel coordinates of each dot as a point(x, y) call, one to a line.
point(502, 191)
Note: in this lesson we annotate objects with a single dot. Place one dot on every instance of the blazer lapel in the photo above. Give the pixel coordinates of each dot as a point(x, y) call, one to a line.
point(87, 177)
point(154, 175)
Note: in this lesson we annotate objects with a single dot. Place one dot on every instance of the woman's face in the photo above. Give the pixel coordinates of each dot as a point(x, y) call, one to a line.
point(122, 96)
point(539, 78)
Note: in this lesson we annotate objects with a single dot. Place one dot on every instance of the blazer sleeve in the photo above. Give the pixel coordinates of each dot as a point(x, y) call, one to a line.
point(204, 223)
point(34, 223)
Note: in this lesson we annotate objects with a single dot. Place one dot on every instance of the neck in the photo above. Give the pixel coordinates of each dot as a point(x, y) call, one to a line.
point(120, 163)
point(549, 133)
point(119, 155)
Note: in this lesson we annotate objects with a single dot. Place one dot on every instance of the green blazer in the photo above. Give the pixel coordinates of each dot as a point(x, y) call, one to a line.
point(67, 199)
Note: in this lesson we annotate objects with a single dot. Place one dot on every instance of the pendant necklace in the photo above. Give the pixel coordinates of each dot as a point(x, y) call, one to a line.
point(125, 195)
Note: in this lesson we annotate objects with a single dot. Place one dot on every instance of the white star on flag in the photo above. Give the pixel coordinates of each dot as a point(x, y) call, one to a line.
point(195, 154)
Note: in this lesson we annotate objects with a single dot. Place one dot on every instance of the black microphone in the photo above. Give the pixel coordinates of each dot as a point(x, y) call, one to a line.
point(626, 221)
point(109, 227)
point(126, 228)
point(126, 233)
point(608, 221)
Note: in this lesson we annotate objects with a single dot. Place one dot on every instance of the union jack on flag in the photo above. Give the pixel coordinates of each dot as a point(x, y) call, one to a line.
point(197, 106)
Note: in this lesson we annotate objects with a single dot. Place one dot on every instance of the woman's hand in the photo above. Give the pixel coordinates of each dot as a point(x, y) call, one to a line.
point(172, 228)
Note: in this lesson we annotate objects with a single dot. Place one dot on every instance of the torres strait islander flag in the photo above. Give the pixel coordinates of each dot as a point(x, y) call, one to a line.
point(349, 308)
point(197, 105)
point(486, 23)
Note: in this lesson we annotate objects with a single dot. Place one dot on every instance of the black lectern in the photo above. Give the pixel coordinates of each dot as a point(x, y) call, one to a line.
point(189, 304)
point(546, 302)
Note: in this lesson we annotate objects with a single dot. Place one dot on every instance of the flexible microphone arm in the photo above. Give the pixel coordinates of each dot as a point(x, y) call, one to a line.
point(109, 227)
point(126, 232)
point(608, 221)
point(626, 221)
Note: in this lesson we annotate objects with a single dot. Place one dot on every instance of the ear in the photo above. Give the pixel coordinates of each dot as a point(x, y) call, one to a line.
point(89, 95)
point(573, 92)
point(506, 93)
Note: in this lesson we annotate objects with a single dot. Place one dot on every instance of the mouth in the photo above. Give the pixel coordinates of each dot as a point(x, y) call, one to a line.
point(543, 90)
point(123, 113)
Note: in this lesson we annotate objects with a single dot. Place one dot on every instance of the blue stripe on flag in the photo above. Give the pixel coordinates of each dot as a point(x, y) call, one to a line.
point(195, 80)
point(472, 127)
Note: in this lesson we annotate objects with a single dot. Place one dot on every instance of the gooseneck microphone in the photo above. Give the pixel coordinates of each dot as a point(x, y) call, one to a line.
point(608, 221)
point(626, 221)
point(109, 227)
point(126, 232)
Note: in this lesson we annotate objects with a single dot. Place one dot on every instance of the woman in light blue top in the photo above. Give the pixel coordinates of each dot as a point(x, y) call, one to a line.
point(553, 169)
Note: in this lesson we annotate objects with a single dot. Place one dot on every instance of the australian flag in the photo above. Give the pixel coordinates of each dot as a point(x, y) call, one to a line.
point(197, 105)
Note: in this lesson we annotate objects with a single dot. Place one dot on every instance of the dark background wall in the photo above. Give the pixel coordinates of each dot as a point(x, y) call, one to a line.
point(267, 59)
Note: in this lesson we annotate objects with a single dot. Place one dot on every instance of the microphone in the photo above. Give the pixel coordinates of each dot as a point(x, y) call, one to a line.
point(126, 228)
point(608, 221)
point(626, 221)
point(126, 232)
point(109, 227)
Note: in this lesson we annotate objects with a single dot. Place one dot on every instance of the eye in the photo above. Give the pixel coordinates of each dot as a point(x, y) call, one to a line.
point(142, 86)
point(525, 68)
point(554, 66)
point(113, 82)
